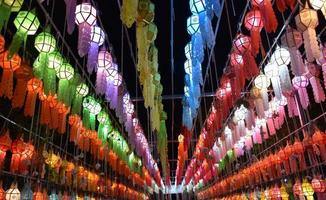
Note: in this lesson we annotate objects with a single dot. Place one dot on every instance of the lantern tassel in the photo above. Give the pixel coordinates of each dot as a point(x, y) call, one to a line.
point(303, 97)
point(92, 57)
point(319, 94)
point(19, 94)
point(129, 12)
point(276, 87)
point(16, 42)
point(255, 41)
point(281, 5)
point(84, 39)
point(206, 30)
point(311, 44)
point(70, 15)
point(6, 85)
point(297, 66)
point(50, 83)
point(63, 91)
point(100, 81)
point(269, 17)
point(5, 12)
point(30, 103)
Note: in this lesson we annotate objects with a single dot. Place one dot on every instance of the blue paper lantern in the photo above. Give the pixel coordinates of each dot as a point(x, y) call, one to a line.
point(188, 66)
point(188, 50)
point(193, 24)
point(197, 6)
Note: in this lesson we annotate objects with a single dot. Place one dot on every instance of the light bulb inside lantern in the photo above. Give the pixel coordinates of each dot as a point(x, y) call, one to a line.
point(97, 35)
point(82, 89)
point(66, 71)
point(193, 24)
point(197, 6)
point(188, 66)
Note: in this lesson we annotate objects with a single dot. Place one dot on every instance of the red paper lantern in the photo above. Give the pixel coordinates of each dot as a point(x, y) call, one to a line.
point(318, 185)
point(297, 188)
point(254, 23)
point(242, 45)
point(17, 148)
point(34, 86)
point(7, 79)
point(269, 18)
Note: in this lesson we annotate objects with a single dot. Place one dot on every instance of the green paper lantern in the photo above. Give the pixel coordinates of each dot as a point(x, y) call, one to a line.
point(55, 60)
point(91, 109)
point(26, 23)
point(104, 125)
point(65, 73)
point(45, 42)
point(102, 117)
point(81, 91)
point(6, 7)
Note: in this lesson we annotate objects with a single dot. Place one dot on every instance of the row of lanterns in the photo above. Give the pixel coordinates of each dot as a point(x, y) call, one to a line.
point(46, 67)
point(142, 14)
point(200, 29)
point(276, 73)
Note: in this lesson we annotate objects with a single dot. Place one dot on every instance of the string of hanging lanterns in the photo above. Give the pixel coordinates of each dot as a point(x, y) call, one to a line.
point(142, 14)
point(261, 83)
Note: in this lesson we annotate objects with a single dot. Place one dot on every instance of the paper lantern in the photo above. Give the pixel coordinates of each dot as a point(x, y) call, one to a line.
point(318, 185)
point(34, 87)
point(13, 193)
point(254, 23)
point(242, 45)
point(5, 144)
point(97, 39)
point(85, 19)
point(105, 69)
point(53, 196)
point(307, 190)
point(269, 18)
point(104, 125)
point(6, 7)
point(297, 188)
point(307, 21)
point(2, 44)
point(9, 65)
point(90, 109)
point(112, 72)
point(81, 91)
point(45, 42)
point(188, 67)
point(272, 72)
point(300, 83)
point(117, 80)
point(26, 23)
point(65, 73)
point(188, 50)
point(262, 82)
point(284, 194)
point(193, 24)
point(197, 6)
point(146, 11)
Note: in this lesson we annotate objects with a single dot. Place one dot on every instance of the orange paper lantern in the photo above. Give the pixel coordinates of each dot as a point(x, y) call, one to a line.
point(22, 74)
point(34, 86)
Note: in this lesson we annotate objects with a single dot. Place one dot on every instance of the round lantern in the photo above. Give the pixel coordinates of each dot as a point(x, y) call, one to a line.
point(102, 117)
point(186, 91)
point(262, 82)
point(236, 60)
point(97, 35)
point(240, 113)
point(188, 66)
point(65, 72)
point(297, 188)
point(284, 193)
point(55, 60)
point(13, 193)
point(281, 56)
point(307, 190)
point(254, 23)
point(318, 185)
point(85, 19)
point(45, 42)
point(126, 99)
point(193, 24)
point(300, 82)
point(241, 43)
point(188, 50)
point(112, 71)
point(105, 60)
point(117, 80)
point(197, 6)
point(95, 108)
point(26, 23)
point(82, 89)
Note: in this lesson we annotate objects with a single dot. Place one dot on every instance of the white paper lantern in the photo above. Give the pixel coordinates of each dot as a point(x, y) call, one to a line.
point(197, 6)
point(193, 24)
point(188, 66)
point(281, 56)
point(188, 50)
point(85, 12)
point(97, 35)
point(262, 82)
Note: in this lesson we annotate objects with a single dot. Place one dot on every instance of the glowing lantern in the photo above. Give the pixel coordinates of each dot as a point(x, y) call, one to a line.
point(27, 193)
point(13, 193)
point(2, 44)
point(146, 11)
point(26, 23)
point(193, 24)
point(6, 7)
point(112, 72)
point(284, 194)
point(272, 72)
point(306, 21)
point(8, 66)
point(104, 125)
point(2, 192)
point(239, 117)
point(188, 51)
point(318, 186)
point(307, 190)
point(104, 69)
point(53, 196)
point(85, 19)
point(55, 60)
point(64, 73)
point(269, 18)
point(197, 6)
point(262, 82)
point(91, 109)
point(297, 188)
point(242, 46)
point(188, 67)
point(81, 91)
point(45, 43)
point(300, 83)
point(117, 80)
point(34, 87)
point(97, 39)
point(254, 23)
